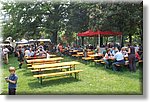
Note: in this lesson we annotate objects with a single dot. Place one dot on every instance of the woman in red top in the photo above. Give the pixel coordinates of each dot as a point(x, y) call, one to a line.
point(137, 56)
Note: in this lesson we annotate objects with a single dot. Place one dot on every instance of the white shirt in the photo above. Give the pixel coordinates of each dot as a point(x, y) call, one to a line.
point(5, 51)
point(113, 52)
point(27, 53)
point(119, 56)
point(31, 53)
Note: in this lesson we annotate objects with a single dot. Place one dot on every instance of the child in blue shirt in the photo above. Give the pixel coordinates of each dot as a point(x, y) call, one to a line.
point(12, 81)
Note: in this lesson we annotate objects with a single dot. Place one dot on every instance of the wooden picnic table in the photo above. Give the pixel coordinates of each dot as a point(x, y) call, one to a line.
point(37, 57)
point(90, 52)
point(72, 63)
point(113, 58)
point(79, 53)
point(45, 60)
point(96, 55)
point(62, 65)
point(73, 51)
point(51, 55)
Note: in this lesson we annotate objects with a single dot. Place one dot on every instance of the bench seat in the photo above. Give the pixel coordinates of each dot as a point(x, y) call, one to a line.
point(40, 76)
point(87, 58)
point(98, 60)
point(58, 73)
point(47, 69)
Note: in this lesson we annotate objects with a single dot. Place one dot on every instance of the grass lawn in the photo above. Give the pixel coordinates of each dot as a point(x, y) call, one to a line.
point(93, 80)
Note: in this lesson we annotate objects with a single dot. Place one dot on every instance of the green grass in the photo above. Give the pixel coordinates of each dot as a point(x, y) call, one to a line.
point(93, 80)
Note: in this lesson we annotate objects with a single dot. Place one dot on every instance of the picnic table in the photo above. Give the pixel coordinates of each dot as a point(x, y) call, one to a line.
point(79, 53)
point(96, 55)
point(72, 63)
point(44, 60)
point(56, 66)
point(73, 51)
point(90, 52)
point(49, 56)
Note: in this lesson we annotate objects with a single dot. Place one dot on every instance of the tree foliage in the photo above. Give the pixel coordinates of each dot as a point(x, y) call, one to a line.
point(64, 20)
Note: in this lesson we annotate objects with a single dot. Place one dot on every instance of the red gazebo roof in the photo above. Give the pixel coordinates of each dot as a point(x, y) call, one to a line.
point(91, 33)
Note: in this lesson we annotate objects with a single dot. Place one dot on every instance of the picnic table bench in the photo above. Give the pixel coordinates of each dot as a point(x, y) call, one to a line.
point(55, 66)
point(58, 74)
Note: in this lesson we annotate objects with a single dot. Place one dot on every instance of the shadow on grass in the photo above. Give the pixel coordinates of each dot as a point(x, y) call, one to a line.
point(27, 73)
point(124, 71)
point(51, 81)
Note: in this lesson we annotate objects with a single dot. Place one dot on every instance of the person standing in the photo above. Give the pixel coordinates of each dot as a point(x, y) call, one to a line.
point(12, 81)
point(131, 57)
point(20, 56)
point(5, 54)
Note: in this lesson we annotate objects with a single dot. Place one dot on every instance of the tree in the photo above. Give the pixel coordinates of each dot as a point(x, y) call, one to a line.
point(66, 19)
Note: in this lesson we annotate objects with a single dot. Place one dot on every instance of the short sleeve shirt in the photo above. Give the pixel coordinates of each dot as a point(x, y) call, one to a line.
point(119, 56)
point(13, 77)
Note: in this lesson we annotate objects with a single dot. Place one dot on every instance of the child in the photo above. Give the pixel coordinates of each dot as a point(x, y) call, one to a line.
point(12, 81)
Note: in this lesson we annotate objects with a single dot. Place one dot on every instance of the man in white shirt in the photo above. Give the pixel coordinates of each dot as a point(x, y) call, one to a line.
point(119, 59)
point(27, 52)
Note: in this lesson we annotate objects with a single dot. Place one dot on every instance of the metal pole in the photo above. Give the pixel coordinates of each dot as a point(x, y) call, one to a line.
point(99, 40)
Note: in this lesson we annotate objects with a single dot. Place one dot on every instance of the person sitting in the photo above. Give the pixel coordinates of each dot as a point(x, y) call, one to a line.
point(137, 57)
point(97, 50)
point(104, 52)
point(113, 51)
point(27, 52)
point(85, 52)
point(140, 51)
point(123, 51)
point(32, 53)
point(42, 52)
point(119, 59)
point(105, 59)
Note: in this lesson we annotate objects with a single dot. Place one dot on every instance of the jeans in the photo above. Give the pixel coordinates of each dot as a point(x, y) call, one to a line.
point(122, 62)
point(12, 91)
point(132, 63)
point(107, 63)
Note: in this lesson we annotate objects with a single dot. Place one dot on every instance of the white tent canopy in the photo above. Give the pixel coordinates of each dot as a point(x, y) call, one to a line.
point(44, 40)
point(32, 40)
point(23, 41)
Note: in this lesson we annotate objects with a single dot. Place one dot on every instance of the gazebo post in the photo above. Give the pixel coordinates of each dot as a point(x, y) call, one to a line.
point(121, 41)
point(82, 41)
point(99, 40)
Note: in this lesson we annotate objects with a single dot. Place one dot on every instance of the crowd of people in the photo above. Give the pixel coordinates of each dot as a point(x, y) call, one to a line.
point(134, 53)
point(119, 54)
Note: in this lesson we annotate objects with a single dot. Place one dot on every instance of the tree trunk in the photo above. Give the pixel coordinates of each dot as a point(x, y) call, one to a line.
point(130, 38)
point(141, 33)
point(141, 37)
point(122, 40)
point(54, 37)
